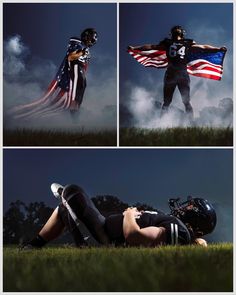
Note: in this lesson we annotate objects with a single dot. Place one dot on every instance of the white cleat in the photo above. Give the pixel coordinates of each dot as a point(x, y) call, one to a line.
point(57, 189)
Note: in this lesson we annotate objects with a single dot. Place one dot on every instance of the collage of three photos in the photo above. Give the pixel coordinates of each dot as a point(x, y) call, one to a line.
point(118, 147)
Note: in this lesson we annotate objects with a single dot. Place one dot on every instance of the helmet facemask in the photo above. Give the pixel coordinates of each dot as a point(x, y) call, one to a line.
point(89, 37)
point(196, 213)
point(177, 32)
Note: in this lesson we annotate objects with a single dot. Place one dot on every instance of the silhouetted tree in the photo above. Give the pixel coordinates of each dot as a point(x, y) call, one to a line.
point(108, 205)
point(21, 222)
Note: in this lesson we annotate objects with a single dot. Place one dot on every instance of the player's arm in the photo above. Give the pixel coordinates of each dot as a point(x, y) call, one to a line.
point(146, 47)
point(75, 55)
point(135, 236)
point(209, 47)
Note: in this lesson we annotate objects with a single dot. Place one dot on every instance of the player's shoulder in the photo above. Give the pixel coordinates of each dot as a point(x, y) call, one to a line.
point(189, 41)
point(165, 41)
point(75, 39)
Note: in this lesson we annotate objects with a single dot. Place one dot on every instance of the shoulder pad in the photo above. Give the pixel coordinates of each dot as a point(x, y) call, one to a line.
point(75, 39)
point(189, 40)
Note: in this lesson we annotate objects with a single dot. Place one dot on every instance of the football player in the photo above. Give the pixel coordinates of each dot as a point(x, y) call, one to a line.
point(177, 48)
point(78, 56)
point(187, 223)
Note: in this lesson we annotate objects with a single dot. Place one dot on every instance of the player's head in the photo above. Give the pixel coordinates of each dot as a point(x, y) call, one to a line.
point(177, 32)
point(196, 213)
point(89, 36)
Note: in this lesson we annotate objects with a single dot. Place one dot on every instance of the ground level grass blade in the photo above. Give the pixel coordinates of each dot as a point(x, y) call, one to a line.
point(172, 269)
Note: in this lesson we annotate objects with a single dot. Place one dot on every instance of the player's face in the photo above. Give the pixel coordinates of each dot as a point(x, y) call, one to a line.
point(177, 34)
point(91, 40)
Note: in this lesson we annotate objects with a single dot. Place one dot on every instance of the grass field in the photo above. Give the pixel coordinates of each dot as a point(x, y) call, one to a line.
point(191, 136)
point(30, 137)
point(173, 269)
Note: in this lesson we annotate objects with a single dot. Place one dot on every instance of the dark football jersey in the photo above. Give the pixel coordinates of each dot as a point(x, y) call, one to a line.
point(75, 44)
point(177, 52)
point(176, 231)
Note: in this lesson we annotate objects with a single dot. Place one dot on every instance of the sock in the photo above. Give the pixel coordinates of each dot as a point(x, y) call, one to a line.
point(38, 242)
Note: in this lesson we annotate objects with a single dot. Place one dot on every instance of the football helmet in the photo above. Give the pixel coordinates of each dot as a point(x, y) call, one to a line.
point(89, 36)
point(177, 31)
point(196, 213)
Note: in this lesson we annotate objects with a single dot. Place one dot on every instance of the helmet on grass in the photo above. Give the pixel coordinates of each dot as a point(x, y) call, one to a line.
point(197, 213)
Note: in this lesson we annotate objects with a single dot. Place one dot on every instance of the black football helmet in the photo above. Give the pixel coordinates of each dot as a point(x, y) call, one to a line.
point(196, 213)
point(177, 31)
point(89, 36)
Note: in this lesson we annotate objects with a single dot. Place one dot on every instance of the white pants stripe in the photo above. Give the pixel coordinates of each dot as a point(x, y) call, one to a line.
point(75, 81)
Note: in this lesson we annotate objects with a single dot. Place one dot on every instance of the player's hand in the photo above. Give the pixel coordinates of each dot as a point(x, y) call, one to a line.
point(223, 48)
point(132, 211)
point(201, 242)
point(130, 48)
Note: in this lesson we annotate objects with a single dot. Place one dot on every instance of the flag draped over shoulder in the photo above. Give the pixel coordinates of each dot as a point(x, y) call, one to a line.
point(56, 98)
point(201, 62)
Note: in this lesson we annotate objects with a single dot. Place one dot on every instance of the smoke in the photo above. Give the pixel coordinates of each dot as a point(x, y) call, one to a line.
point(224, 227)
point(211, 100)
point(26, 79)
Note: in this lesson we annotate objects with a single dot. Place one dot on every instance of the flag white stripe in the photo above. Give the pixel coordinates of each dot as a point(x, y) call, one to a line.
point(204, 72)
point(196, 61)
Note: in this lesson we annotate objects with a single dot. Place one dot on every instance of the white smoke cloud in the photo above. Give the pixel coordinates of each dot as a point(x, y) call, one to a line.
point(26, 79)
point(211, 100)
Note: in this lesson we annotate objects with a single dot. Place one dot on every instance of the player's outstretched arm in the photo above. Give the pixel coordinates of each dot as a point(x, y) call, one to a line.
point(146, 47)
point(209, 47)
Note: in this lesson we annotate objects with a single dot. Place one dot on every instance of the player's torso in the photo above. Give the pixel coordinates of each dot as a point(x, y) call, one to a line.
point(76, 44)
point(114, 226)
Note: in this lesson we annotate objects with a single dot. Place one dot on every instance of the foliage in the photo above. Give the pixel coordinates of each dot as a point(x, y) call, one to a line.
point(108, 205)
point(191, 136)
point(21, 221)
point(163, 269)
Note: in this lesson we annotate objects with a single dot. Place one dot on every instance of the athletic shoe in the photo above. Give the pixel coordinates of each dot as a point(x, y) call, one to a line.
point(57, 190)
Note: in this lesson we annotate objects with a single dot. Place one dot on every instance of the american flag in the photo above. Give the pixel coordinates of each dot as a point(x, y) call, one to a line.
point(201, 62)
point(57, 97)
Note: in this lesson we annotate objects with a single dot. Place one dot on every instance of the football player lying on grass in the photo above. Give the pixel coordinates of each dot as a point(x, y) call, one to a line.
point(186, 223)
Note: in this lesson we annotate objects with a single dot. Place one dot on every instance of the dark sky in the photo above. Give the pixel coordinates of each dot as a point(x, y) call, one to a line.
point(148, 23)
point(148, 175)
point(46, 28)
point(134, 175)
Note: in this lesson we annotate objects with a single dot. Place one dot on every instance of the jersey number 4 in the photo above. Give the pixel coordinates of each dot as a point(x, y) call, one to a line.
point(173, 51)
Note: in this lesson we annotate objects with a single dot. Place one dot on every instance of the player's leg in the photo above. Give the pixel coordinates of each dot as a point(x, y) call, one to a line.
point(53, 227)
point(71, 226)
point(184, 88)
point(169, 88)
point(81, 206)
point(50, 231)
point(79, 85)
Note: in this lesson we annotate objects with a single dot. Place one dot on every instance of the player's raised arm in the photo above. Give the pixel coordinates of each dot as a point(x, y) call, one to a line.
point(146, 47)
